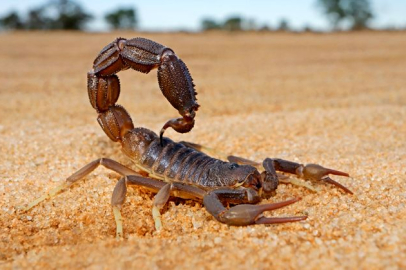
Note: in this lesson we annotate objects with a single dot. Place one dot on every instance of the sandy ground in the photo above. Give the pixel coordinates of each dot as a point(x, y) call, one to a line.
point(337, 100)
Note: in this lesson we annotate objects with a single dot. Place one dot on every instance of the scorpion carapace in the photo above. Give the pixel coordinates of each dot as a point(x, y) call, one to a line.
point(179, 169)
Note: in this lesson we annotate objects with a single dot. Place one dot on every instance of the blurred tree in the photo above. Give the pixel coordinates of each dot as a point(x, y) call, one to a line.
point(360, 12)
point(56, 14)
point(308, 28)
point(37, 20)
point(283, 25)
point(356, 12)
point(11, 21)
point(210, 24)
point(122, 19)
point(233, 24)
point(265, 28)
point(250, 25)
point(71, 15)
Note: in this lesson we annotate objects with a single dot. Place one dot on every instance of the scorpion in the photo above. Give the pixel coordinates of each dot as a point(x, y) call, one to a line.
point(178, 169)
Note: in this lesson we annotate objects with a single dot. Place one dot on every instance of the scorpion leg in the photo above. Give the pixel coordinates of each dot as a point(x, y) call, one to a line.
point(178, 190)
point(117, 201)
point(313, 172)
point(131, 177)
point(106, 162)
point(163, 192)
point(161, 198)
point(244, 214)
point(282, 178)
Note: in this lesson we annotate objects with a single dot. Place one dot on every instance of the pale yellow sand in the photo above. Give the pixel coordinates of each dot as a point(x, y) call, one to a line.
point(338, 100)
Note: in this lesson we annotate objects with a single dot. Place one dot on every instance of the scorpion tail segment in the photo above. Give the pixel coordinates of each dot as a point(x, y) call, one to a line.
point(103, 91)
point(109, 60)
point(177, 86)
point(319, 173)
point(142, 54)
point(115, 122)
point(246, 214)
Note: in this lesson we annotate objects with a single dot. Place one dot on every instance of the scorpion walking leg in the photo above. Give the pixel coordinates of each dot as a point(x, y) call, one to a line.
point(119, 195)
point(244, 214)
point(178, 190)
point(106, 162)
point(313, 172)
point(163, 191)
point(118, 198)
point(117, 201)
point(269, 167)
point(161, 198)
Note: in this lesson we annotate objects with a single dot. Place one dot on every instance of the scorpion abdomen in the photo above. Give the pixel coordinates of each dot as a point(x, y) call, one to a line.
point(176, 162)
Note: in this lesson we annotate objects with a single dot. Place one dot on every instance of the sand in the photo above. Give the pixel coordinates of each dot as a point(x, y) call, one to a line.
point(334, 99)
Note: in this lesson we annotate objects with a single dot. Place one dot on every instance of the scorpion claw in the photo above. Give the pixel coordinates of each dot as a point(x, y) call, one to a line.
point(331, 181)
point(319, 173)
point(274, 220)
point(246, 214)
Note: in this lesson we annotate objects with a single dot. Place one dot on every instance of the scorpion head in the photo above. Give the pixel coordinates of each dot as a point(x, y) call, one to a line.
point(249, 177)
point(265, 183)
point(242, 176)
point(234, 175)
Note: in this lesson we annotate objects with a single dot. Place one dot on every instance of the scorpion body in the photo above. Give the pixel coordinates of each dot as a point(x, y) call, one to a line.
point(175, 162)
point(178, 169)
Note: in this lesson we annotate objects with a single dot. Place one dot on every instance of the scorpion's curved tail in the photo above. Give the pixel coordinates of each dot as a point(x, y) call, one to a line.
point(142, 55)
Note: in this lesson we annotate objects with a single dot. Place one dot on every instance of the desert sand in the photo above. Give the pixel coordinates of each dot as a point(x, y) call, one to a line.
point(338, 100)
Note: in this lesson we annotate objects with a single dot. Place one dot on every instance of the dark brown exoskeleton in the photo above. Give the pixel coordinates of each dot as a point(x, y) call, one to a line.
point(143, 55)
point(178, 169)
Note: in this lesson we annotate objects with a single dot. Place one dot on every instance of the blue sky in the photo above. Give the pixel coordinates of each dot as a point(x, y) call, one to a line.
point(187, 14)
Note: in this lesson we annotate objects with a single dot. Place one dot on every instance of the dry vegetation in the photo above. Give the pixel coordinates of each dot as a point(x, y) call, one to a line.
point(338, 100)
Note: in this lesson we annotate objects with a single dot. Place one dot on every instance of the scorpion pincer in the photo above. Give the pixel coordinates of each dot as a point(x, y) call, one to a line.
point(179, 169)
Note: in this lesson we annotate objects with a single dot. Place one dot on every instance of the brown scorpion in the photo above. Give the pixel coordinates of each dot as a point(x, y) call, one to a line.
point(178, 169)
